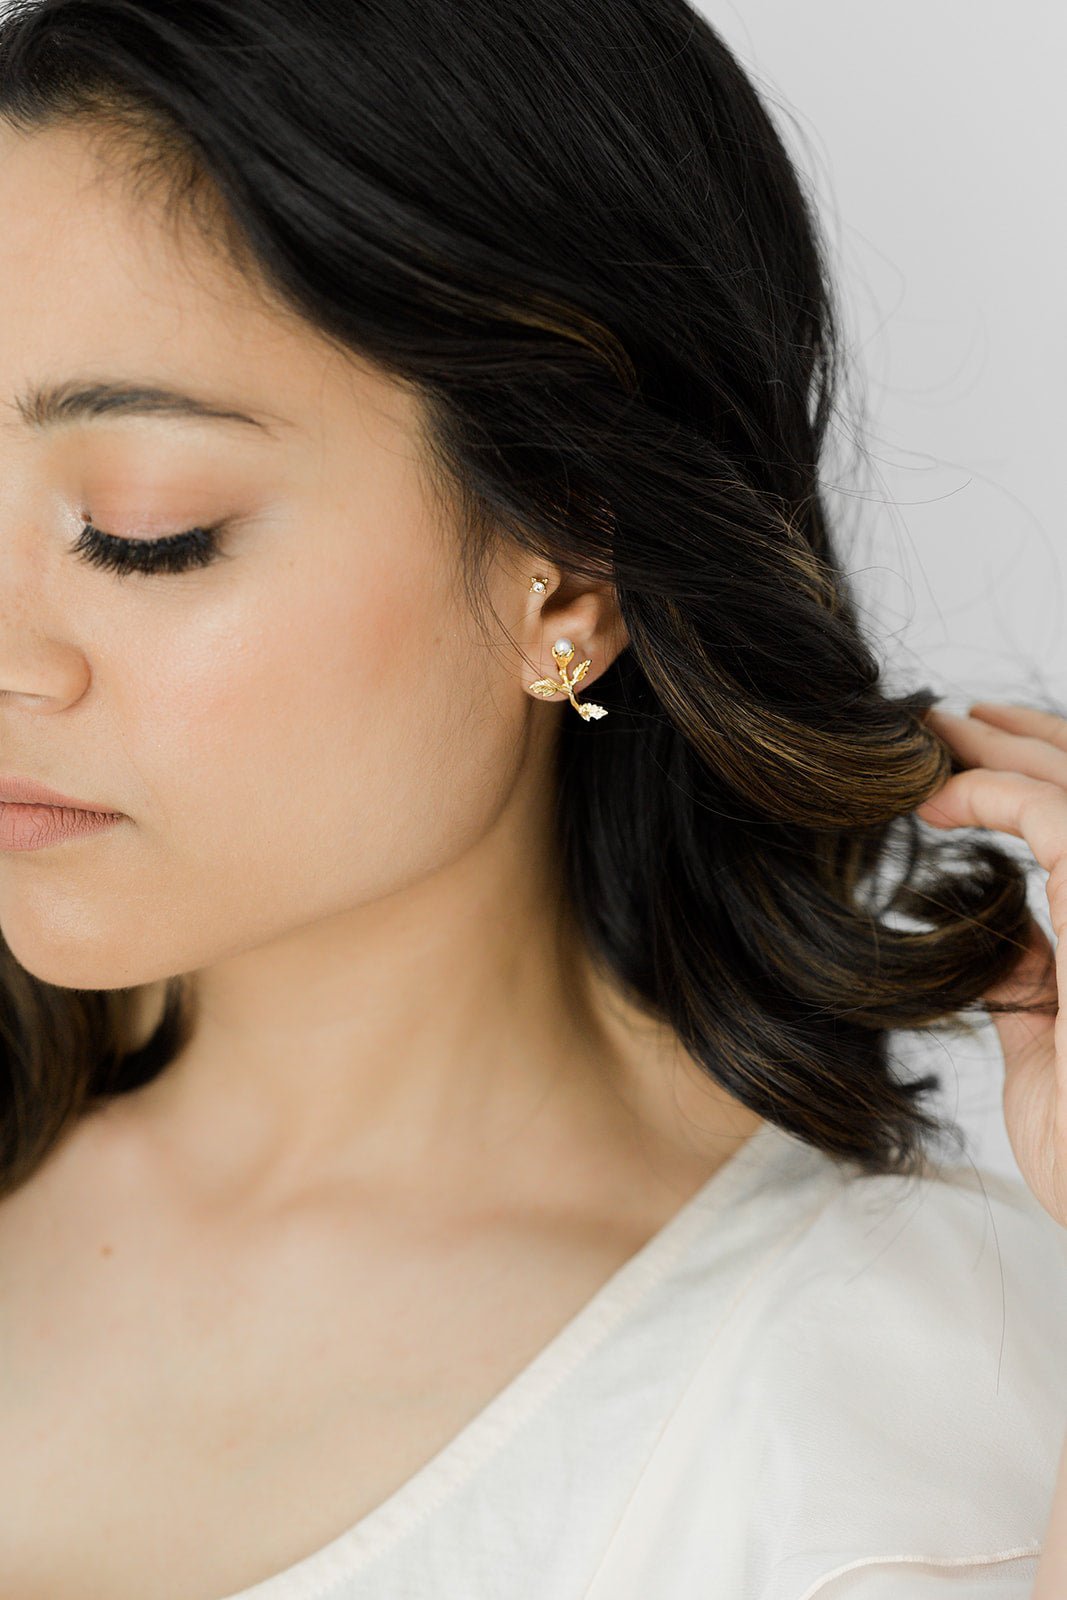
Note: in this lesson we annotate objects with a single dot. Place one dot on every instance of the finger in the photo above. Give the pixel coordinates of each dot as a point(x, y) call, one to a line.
point(1026, 807)
point(1008, 802)
point(1037, 812)
point(1023, 719)
point(981, 745)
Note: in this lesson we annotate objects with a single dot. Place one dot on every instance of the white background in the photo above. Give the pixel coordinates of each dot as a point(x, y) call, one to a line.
point(933, 133)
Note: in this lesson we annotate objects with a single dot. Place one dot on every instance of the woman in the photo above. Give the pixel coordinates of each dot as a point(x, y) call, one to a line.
point(451, 1145)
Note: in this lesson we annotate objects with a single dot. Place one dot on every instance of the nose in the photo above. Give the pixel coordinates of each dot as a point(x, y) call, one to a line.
point(50, 678)
point(31, 701)
point(42, 665)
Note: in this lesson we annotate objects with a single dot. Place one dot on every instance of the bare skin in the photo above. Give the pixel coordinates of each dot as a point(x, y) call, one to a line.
point(414, 1131)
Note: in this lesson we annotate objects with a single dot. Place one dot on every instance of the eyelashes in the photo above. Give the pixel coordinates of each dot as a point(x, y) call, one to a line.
point(179, 552)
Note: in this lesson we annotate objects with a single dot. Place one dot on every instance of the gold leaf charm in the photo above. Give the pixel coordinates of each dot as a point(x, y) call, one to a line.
point(562, 651)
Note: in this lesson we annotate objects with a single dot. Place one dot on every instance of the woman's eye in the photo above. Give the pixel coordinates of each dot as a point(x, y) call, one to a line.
point(179, 552)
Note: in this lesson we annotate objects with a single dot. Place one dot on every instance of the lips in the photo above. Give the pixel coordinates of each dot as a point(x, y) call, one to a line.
point(25, 791)
point(38, 827)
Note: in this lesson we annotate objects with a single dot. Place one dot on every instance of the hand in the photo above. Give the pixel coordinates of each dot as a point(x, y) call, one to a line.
point(1016, 783)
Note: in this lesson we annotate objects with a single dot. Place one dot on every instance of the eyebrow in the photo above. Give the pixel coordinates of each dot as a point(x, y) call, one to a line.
point(49, 405)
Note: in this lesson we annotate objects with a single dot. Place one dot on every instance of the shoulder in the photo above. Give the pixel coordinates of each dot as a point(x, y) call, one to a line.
point(878, 1405)
point(955, 1280)
point(956, 1249)
point(912, 1381)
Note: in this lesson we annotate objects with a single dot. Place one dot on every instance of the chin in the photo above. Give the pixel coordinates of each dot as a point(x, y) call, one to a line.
point(66, 965)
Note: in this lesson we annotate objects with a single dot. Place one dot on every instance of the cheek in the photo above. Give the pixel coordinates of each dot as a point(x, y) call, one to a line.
point(319, 745)
point(291, 742)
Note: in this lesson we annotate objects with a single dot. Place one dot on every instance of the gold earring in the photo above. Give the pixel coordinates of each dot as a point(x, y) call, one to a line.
point(562, 651)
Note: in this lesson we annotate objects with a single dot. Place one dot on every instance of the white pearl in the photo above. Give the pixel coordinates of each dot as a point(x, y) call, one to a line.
point(563, 645)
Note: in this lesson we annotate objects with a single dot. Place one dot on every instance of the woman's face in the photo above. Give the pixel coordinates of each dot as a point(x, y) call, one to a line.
point(292, 731)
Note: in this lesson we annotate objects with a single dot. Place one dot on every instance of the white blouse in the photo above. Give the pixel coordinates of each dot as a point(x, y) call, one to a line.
point(808, 1382)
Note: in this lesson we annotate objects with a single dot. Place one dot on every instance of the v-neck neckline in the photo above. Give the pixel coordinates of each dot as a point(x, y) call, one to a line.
point(468, 1449)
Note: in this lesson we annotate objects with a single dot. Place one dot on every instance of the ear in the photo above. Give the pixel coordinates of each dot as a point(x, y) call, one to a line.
point(572, 608)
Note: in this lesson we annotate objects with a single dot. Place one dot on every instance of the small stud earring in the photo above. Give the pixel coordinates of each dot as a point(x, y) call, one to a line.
point(562, 651)
point(538, 585)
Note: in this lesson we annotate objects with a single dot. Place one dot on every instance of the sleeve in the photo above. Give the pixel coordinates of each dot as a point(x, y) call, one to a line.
point(879, 1417)
point(918, 1397)
point(1004, 1578)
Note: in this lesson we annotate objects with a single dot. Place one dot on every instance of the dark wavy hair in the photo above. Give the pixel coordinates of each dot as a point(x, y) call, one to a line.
point(573, 228)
